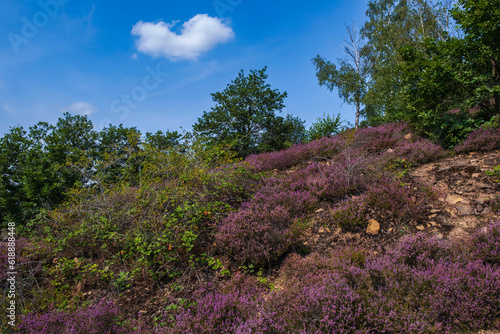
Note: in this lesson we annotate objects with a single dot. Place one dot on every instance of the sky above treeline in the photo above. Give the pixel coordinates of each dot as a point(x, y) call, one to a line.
point(153, 64)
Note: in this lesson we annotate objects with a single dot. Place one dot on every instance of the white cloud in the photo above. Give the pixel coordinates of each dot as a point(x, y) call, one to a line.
point(133, 56)
point(80, 108)
point(200, 34)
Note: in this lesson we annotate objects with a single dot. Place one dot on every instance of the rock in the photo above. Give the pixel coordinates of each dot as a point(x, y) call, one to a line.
point(408, 136)
point(454, 199)
point(390, 150)
point(475, 175)
point(483, 185)
point(373, 227)
point(464, 210)
point(321, 230)
point(433, 223)
point(320, 210)
point(439, 236)
point(420, 227)
point(479, 207)
point(486, 210)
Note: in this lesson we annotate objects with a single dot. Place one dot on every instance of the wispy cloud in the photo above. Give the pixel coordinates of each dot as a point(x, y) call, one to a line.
point(200, 34)
point(80, 108)
point(9, 109)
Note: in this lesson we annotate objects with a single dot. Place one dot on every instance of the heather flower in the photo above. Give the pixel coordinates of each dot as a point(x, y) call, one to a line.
point(480, 140)
point(101, 318)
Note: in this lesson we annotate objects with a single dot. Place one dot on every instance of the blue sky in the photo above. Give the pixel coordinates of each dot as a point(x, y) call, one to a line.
point(153, 64)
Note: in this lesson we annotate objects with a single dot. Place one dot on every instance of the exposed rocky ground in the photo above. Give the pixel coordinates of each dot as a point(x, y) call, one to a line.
point(463, 205)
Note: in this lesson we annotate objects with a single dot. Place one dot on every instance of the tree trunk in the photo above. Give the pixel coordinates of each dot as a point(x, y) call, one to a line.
point(356, 123)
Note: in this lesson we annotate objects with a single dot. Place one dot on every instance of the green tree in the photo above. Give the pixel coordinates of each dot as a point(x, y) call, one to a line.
point(391, 25)
point(37, 166)
point(162, 141)
point(245, 115)
point(457, 74)
point(352, 74)
point(119, 158)
point(324, 127)
point(282, 132)
point(480, 20)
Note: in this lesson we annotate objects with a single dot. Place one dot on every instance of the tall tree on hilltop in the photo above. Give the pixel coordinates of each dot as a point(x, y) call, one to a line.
point(351, 77)
point(391, 25)
point(244, 116)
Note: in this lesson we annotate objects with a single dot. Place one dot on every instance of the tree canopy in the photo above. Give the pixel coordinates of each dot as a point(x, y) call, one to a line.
point(244, 117)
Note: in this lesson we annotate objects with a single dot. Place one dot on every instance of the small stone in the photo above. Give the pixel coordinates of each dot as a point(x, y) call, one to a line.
point(475, 175)
point(413, 199)
point(373, 227)
point(464, 210)
point(320, 210)
point(454, 199)
point(486, 210)
point(479, 207)
point(483, 185)
point(429, 225)
point(390, 150)
point(433, 223)
point(439, 236)
point(321, 230)
point(420, 227)
point(408, 136)
point(305, 243)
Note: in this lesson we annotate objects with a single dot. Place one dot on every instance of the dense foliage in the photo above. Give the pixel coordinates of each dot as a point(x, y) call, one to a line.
point(245, 117)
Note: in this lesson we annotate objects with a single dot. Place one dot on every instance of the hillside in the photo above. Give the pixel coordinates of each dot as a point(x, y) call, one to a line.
point(368, 231)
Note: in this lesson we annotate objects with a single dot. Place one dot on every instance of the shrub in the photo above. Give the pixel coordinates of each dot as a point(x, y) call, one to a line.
point(485, 245)
point(228, 311)
point(317, 149)
point(331, 306)
point(379, 139)
point(324, 127)
point(265, 227)
point(101, 318)
point(418, 152)
point(480, 140)
point(422, 285)
point(388, 198)
point(420, 251)
point(331, 181)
